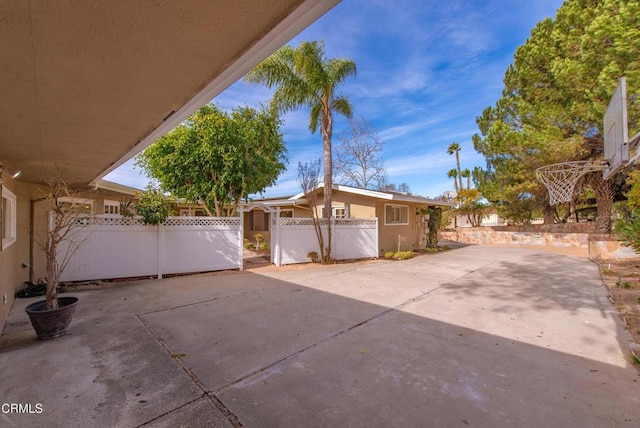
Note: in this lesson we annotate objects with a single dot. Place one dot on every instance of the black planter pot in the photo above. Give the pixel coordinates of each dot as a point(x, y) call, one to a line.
point(54, 322)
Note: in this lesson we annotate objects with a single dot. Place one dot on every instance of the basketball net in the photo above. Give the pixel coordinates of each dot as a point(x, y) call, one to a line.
point(561, 178)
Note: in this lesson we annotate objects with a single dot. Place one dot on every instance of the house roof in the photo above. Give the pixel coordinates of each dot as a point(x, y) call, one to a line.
point(87, 85)
point(377, 194)
point(271, 202)
point(115, 187)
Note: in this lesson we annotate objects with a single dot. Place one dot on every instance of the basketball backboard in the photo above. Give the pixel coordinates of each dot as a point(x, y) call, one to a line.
point(616, 134)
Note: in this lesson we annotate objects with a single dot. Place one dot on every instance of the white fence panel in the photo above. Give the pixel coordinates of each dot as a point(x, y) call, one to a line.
point(201, 244)
point(297, 237)
point(120, 247)
point(355, 239)
point(352, 239)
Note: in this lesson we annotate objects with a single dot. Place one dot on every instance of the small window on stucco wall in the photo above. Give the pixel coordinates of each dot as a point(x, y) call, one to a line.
point(396, 214)
point(338, 211)
point(111, 207)
point(8, 215)
point(286, 213)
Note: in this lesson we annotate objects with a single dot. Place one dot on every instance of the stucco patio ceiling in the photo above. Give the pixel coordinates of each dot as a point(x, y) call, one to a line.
point(85, 85)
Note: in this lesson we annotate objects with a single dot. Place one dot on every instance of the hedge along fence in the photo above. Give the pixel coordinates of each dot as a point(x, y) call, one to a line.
point(122, 247)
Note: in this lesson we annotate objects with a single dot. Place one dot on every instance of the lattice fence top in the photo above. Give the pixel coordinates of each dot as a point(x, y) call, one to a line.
point(202, 221)
point(114, 220)
point(323, 221)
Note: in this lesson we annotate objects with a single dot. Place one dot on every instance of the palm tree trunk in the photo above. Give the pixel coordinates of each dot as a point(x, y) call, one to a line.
point(328, 183)
point(605, 191)
point(459, 170)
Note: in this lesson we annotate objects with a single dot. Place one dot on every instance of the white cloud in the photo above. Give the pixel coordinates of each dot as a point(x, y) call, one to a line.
point(426, 69)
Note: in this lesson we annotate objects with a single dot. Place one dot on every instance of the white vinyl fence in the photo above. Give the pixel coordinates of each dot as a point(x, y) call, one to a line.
point(121, 247)
point(293, 238)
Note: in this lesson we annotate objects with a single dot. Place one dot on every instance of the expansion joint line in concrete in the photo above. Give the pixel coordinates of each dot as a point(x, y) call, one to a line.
point(200, 302)
point(328, 339)
point(233, 419)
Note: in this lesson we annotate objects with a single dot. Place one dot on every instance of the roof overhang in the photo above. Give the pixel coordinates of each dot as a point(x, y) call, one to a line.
point(87, 85)
point(377, 194)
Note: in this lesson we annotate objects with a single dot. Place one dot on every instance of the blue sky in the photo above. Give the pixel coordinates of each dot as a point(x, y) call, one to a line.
point(426, 70)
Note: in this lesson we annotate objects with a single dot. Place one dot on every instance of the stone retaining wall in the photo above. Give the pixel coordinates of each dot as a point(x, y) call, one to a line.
point(600, 247)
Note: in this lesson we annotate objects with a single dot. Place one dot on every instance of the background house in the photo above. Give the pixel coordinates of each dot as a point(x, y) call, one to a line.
point(400, 217)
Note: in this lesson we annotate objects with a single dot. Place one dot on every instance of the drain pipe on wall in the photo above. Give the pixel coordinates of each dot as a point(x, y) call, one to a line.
point(32, 211)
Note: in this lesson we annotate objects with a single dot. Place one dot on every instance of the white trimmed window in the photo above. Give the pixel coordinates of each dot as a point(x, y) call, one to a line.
point(78, 205)
point(111, 207)
point(339, 212)
point(8, 217)
point(286, 213)
point(396, 214)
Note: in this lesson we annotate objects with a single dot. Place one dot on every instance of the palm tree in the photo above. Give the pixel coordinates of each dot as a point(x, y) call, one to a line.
point(467, 174)
point(304, 77)
point(453, 173)
point(455, 148)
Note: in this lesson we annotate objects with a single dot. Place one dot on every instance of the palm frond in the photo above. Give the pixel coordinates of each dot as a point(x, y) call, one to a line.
point(339, 69)
point(314, 117)
point(341, 105)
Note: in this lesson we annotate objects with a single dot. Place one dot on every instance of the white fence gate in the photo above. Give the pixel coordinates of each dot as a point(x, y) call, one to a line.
point(121, 247)
point(293, 238)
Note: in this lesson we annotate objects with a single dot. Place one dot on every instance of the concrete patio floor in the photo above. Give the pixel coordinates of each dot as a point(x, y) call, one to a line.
point(477, 336)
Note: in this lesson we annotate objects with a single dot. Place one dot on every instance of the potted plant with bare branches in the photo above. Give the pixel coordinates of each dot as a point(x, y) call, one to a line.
point(67, 218)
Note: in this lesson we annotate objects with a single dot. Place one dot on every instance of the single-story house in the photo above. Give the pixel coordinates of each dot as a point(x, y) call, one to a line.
point(88, 85)
point(400, 217)
point(105, 198)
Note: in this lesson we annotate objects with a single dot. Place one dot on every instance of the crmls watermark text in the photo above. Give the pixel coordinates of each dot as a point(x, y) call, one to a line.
point(21, 408)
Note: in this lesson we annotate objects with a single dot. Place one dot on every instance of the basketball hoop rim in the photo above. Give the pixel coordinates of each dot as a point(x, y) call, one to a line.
point(560, 178)
point(592, 165)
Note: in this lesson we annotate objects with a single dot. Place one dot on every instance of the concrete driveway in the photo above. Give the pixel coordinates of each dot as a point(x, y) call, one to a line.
point(477, 336)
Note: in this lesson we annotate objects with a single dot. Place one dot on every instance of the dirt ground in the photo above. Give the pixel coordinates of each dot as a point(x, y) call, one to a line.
point(623, 280)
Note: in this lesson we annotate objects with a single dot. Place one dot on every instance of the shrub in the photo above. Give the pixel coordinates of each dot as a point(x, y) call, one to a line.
point(403, 255)
point(248, 244)
point(313, 256)
point(153, 206)
point(399, 255)
point(629, 231)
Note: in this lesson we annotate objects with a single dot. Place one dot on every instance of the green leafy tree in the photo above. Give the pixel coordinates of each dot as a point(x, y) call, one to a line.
point(218, 158)
point(153, 205)
point(553, 102)
point(434, 224)
point(304, 77)
point(628, 228)
point(470, 204)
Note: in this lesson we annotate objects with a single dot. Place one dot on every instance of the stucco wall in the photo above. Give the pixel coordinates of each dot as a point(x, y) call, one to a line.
point(12, 274)
point(389, 233)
